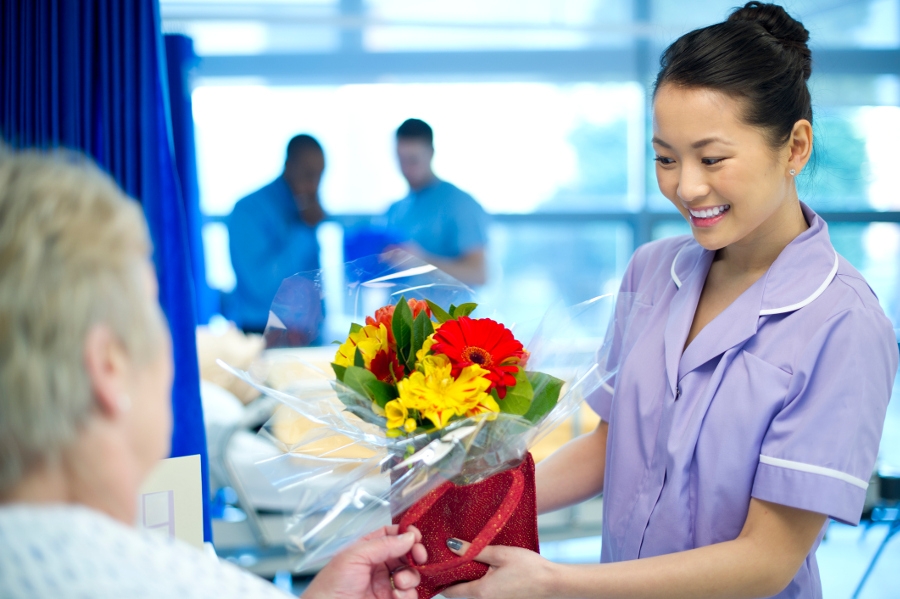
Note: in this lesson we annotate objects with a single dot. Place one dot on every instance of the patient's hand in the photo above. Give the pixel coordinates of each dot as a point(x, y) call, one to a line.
point(364, 570)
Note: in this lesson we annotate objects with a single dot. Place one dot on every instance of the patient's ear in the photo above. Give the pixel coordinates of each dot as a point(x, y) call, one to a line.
point(107, 367)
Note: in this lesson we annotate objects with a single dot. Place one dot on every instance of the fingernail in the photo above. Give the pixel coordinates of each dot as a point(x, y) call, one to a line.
point(454, 544)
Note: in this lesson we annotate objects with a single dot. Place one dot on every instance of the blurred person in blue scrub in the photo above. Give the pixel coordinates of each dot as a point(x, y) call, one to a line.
point(438, 222)
point(272, 233)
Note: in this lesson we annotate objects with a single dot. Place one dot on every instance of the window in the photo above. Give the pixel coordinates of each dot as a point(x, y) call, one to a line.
point(519, 148)
point(539, 110)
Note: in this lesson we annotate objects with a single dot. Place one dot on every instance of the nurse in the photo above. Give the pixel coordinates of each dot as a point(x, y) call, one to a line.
point(754, 378)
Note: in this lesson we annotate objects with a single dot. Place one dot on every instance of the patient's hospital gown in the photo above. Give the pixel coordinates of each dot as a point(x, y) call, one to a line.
point(72, 551)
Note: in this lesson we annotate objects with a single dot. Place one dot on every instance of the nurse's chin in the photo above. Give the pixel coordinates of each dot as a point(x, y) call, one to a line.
point(709, 240)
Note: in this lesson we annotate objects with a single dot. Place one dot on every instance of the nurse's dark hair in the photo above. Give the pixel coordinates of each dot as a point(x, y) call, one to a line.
point(758, 56)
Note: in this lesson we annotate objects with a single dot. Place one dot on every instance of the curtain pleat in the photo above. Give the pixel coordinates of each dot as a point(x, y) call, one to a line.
point(91, 75)
point(180, 60)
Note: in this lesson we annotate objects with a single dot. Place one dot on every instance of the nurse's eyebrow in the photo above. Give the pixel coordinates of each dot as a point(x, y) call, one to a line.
point(708, 140)
point(697, 144)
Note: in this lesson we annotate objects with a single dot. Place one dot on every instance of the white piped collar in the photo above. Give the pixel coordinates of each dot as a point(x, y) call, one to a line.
point(809, 299)
point(800, 274)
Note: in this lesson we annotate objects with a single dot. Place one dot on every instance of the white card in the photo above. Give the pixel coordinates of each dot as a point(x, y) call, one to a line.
point(170, 502)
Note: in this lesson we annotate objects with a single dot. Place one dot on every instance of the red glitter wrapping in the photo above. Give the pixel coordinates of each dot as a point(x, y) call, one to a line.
point(500, 510)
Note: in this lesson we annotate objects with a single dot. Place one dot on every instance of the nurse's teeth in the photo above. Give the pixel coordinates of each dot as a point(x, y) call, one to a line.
point(710, 212)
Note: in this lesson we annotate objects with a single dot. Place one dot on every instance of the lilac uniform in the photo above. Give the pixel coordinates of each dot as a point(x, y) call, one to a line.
point(781, 397)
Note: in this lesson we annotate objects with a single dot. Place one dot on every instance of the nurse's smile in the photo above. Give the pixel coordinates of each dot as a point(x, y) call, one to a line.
point(708, 217)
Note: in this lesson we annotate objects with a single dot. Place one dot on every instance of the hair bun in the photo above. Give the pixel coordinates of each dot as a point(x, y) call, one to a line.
point(780, 25)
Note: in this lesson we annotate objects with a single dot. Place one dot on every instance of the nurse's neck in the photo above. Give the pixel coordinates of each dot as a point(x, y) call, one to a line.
point(753, 254)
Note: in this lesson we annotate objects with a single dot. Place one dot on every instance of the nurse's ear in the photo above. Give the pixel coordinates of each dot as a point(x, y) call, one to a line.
point(799, 146)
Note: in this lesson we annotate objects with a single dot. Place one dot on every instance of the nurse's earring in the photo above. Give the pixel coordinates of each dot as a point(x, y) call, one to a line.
point(793, 172)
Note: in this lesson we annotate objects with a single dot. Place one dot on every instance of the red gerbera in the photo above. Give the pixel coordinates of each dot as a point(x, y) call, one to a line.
point(386, 367)
point(481, 341)
point(385, 315)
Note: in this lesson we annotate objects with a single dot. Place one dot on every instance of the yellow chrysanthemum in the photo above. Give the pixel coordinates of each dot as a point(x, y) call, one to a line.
point(370, 340)
point(437, 396)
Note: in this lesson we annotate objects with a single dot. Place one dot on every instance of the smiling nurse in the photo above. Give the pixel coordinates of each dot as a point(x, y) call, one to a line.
point(750, 398)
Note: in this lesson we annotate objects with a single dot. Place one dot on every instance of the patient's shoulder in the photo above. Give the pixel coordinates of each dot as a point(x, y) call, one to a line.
point(48, 549)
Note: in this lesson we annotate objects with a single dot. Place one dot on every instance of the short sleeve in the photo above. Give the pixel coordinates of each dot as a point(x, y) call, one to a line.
point(611, 353)
point(471, 225)
point(819, 450)
point(607, 359)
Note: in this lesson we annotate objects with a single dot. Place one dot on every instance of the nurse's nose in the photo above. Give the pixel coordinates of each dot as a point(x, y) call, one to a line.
point(692, 184)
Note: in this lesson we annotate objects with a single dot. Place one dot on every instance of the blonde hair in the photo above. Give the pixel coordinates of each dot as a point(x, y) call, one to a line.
point(71, 252)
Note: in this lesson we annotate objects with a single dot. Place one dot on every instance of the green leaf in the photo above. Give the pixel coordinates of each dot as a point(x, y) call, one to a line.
point(452, 309)
point(358, 379)
point(546, 394)
point(381, 392)
point(422, 328)
point(339, 371)
point(402, 325)
point(358, 359)
point(364, 382)
point(518, 399)
point(354, 328)
point(367, 415)
point(463, 309)
point(438, 312)
point(348, 398)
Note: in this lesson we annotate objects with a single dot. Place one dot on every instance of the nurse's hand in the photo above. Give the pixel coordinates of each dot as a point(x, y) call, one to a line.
point(514, 573)
point(373, 568)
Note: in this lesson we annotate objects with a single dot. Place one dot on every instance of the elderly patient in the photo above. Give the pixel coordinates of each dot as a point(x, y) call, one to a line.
point(85, 377)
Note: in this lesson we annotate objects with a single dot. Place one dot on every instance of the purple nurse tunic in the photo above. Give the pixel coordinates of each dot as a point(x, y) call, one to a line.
point(781, 397)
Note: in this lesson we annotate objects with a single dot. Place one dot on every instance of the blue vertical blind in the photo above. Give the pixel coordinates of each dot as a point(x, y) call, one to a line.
point(90, 75)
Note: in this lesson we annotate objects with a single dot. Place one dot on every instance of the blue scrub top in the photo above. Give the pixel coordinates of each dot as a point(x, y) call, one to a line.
point(269, 242)
point(441, 218)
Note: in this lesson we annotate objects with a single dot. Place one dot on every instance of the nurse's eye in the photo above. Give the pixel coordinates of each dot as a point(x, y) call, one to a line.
point(664, 161)
point(711, 161)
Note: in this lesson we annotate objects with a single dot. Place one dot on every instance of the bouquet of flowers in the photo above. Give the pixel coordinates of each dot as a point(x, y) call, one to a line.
point(421, 374)
point(427, 414)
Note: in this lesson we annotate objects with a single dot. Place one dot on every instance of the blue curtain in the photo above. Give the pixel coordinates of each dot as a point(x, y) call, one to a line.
point(180, 60)
point(90, 75)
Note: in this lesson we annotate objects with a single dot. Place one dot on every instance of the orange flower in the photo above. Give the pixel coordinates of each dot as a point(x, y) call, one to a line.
point(382, 316)
point(483, 342)
point(385, 315)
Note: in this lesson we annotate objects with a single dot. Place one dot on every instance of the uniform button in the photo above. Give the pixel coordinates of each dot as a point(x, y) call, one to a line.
point(677, 392)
